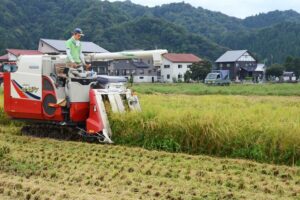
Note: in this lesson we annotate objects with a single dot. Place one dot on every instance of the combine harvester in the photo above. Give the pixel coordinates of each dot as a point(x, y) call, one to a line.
point(59, 101)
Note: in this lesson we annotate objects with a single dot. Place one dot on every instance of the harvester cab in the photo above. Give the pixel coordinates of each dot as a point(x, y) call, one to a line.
point(49, 94)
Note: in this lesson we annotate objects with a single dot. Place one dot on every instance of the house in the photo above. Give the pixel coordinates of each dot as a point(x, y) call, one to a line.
point(240, 63)
point(50, 46)
point(175, 65)
point(13, 54)
point(142, 70)
point(4, 58)
point(260, 71)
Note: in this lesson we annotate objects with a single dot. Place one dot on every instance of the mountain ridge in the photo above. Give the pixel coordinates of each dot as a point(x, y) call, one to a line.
point(202, 32)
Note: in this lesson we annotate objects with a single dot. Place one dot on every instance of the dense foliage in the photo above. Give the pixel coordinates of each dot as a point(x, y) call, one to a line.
point(292, 64)
point(272, 44)
point(275, 70)
point(179, 27)
point(198, 71)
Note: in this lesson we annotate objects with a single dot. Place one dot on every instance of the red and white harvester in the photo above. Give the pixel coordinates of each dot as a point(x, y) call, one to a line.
point(44, 91)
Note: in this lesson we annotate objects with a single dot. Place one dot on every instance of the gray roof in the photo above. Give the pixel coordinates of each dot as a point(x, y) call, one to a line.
point(130, 64)
point(260, 67)
point(87, 47)
point(231, 56)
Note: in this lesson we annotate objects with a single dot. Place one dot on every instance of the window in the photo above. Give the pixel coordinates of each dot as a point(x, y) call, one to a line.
point(179, 66)
point(179, 76)
point(141, 71)
point(166, 66)
point(10, 68)
point(168, 76)
point(237, 64)
point(141, 77)
point(228, 65)
point(221, 65)
point(149, 71)
point(189, 66)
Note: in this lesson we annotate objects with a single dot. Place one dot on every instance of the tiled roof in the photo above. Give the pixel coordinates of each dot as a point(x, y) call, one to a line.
point(18, 52)
point(4, 57)
point(181, 58)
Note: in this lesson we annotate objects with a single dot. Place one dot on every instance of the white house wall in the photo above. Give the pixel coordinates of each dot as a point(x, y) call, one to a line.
point(45, 48)
point(173, 71)
point(145, 79)
point(166, 71)
point(12, 57)
point(142, 79)
point(246, 57)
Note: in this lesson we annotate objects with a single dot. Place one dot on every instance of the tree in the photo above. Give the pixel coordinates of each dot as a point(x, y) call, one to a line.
point(292, 64)
point(289, 63)
point(275, 70)
point(187, 76)
point(198, 71)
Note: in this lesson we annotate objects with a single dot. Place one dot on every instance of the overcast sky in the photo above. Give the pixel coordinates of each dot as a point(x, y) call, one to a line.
point(237, 8)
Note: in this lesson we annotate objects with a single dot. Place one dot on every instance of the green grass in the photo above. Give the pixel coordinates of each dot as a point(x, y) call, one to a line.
point(266, 129)
point(234, 89)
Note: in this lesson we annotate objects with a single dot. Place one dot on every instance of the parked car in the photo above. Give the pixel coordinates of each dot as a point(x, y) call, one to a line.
point(218, 77)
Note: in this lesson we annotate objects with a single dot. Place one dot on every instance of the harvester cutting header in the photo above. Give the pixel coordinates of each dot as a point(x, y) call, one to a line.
point(46, 90)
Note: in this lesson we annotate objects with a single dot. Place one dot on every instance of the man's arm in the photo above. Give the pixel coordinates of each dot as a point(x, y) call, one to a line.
point(82, 58)
point(69, 55)
point(87, 66)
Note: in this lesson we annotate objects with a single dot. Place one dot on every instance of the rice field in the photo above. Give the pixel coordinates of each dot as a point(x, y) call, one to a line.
point(260, 128)
point(265, 129)
point(233, 89)
point(45, 169)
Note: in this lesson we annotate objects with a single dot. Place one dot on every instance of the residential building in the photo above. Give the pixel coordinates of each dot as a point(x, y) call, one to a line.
point(50, 46)
point(240, 63)
point(175, 65)
point(141, 70)
point(13, 54)
point(4, 58)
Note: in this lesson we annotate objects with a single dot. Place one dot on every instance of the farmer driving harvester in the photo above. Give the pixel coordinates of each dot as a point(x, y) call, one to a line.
point(75, 56)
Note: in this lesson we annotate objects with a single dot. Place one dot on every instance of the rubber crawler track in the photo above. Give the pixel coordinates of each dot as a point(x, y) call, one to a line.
point(53, 131)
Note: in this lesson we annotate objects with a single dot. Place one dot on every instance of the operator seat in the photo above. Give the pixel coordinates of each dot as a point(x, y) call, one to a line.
point(61, 71)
